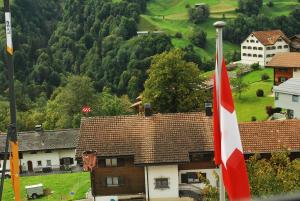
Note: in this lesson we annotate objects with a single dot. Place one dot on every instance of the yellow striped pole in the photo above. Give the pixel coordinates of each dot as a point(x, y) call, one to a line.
point(12, 129)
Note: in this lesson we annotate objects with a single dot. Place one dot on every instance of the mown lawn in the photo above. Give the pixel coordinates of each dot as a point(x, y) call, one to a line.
point(60, 184)
point(249, 105)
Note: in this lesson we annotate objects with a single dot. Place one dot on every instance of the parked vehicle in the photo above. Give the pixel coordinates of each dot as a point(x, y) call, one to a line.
point(7, 173)
point(34, 191)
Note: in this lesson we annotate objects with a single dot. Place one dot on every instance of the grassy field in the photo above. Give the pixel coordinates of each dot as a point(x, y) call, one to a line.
point(171, 16)
point(250, 105)
point(60, 184)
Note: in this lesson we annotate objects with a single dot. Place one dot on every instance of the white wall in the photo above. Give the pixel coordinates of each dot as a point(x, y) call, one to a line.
point(162, 171)
point(257, 44)
point(106, 198)
point(40, 156)
point(285, 101)
point(278, 43)
point(296, 72)
point(54, 156)
point(263, 60)
point(210, 175)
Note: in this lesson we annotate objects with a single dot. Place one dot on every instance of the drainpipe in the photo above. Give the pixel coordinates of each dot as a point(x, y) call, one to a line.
point(147, 183)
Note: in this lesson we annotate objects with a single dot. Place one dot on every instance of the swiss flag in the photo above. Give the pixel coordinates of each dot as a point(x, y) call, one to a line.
point(227, 140)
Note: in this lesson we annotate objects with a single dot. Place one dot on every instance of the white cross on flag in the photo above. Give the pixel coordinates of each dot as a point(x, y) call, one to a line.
point(228, 146)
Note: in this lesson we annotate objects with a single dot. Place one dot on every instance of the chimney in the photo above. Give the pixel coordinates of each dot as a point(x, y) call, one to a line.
point(147, 110)
point(208, 108)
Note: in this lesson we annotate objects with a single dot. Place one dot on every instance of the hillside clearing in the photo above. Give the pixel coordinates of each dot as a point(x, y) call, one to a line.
point(250, 105)
point(171, 16)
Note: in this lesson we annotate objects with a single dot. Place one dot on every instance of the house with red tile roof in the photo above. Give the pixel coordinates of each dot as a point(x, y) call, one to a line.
point(286, 65)
point(165, 156)
point(261, 46)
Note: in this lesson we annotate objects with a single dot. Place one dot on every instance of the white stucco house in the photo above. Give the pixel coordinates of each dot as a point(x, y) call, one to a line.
point(261, 46)
point(45, 151)
point(287, 96)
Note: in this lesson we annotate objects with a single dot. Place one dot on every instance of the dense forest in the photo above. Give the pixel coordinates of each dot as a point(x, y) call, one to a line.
point(73, 53)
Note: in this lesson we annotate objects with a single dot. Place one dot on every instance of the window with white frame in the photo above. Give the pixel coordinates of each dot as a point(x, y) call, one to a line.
point(111, 162)
point(295, 98)
point(48, 162)
point(282, 79)
point(286, 46)
point(260, 48)
point(114, 181)
point(39, 163)
point(161, 183)
point(244, 54)
point(276, 96)
point(254, 48)
point(279, 47)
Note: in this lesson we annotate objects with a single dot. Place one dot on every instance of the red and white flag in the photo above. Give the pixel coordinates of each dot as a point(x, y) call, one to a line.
point(227, 140)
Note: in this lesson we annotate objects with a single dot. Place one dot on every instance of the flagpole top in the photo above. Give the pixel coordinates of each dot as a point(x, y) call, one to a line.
point(219, 24)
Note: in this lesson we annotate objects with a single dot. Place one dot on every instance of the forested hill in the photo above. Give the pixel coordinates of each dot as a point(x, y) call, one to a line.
point(71, 53)
point(33, 23)
point(55, 39)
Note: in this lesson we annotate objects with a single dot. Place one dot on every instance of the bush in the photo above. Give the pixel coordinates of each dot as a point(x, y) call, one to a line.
point(270, 4)
point(270, 110)
point(199, 14)
point(198, 38)
point(255, 66)
point(187, 5)
point(260, 93)
point(253, 118)
point(265, 76)
point(178, 35)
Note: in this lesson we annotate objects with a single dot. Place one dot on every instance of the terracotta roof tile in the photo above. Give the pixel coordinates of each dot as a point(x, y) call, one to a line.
point(270, 37)
point(285, 60)
point(171, 137)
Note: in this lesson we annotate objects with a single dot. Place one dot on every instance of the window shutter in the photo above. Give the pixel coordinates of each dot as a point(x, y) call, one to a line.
point(121, 181)
point(71, 161)
point(103, 179)
point(61, 161)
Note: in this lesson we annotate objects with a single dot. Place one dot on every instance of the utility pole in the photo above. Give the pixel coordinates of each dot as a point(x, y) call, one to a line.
point(219, 48)
point(12, 128)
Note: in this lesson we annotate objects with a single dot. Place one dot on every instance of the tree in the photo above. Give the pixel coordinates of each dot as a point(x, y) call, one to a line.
point(198, 38)
point(274, 176)
point(239, 85)
point(111, 105)
point(250, 7)
point(174, 85)
point(199, 14)
point(67, 102)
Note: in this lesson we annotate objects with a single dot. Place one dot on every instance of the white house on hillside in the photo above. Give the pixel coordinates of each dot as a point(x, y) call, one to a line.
point(261, 46)
point(287, 97)
point(45, 151)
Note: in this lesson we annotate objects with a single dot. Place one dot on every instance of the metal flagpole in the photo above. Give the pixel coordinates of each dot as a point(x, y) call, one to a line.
point(12, 129)
point(219, 48)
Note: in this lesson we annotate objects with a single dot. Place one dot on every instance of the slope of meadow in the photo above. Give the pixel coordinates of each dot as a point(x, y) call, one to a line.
point(171, 16)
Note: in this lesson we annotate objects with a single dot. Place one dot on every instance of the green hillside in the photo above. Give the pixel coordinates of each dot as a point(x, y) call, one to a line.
point(171, 16)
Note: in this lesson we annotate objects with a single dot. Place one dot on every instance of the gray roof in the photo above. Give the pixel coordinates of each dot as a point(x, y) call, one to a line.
point(291, 86)
point(34, 141)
